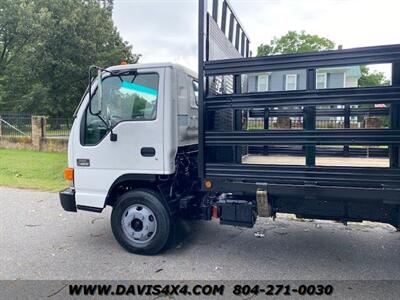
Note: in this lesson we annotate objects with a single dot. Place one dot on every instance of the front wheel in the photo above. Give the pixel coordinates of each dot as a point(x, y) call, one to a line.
point(140, 222)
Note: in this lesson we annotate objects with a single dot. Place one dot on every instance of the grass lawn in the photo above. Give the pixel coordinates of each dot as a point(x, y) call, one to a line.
point(32, 169)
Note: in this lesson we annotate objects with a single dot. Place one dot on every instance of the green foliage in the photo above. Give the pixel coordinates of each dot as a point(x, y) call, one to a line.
point(372, 79)
point(369, 79)
point(21, 23)
point(107, 4)
point(53, 42)
point(294, 42)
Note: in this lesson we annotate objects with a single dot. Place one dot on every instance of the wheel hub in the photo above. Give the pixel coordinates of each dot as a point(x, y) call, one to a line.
point(139, 223)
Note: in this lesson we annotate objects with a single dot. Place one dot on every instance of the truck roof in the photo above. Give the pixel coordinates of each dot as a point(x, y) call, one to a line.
point(154, 65)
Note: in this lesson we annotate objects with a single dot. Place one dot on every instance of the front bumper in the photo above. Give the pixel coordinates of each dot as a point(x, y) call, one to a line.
point(67, 199)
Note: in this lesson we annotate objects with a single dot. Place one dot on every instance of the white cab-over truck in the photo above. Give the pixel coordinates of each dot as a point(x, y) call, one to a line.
point(156, 142)
point(135, 140)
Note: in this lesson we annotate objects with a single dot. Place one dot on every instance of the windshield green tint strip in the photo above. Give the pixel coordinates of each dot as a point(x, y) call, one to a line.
point(138, 88)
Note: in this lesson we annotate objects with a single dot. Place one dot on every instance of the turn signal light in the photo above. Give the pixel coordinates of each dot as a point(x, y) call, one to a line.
point(69, 174)
point(208, 184)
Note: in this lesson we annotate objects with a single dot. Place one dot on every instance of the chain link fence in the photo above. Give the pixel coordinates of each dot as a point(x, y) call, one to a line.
point(58, 127)
point(15, 125)
point(20, 125)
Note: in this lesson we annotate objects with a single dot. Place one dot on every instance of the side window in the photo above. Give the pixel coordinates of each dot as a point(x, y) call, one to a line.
point(125, 98)
point(291, 82)
point(262, 83)
point(321, 81)
point(196, 91)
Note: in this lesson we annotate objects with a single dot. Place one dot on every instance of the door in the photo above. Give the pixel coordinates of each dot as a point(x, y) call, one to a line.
point(132, 108)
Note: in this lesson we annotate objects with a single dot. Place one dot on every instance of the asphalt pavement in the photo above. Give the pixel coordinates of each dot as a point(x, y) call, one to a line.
point(38, 240)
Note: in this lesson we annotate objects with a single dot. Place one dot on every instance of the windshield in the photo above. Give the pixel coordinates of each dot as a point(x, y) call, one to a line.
point(129, 97)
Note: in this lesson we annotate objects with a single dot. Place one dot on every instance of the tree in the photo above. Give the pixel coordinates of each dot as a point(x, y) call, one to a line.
point(21, 23)
point(294, 42)
point(372, 79)
point(369, 79)
point(50, 74)
point(107, 4)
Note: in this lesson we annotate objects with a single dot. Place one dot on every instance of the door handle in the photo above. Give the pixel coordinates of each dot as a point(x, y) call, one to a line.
point(148, 152)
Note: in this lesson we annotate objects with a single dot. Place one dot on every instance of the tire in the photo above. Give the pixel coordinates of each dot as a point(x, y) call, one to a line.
point(141, 222)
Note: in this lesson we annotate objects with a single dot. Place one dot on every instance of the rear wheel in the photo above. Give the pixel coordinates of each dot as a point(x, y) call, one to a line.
point(140, 222)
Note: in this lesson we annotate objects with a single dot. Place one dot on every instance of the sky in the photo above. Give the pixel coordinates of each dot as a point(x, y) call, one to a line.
point(166, 30)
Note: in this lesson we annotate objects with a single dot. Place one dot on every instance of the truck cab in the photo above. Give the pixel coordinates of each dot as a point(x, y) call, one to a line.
point(127, 134)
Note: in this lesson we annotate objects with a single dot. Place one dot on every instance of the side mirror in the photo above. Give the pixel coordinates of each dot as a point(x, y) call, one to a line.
point(96, 109)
